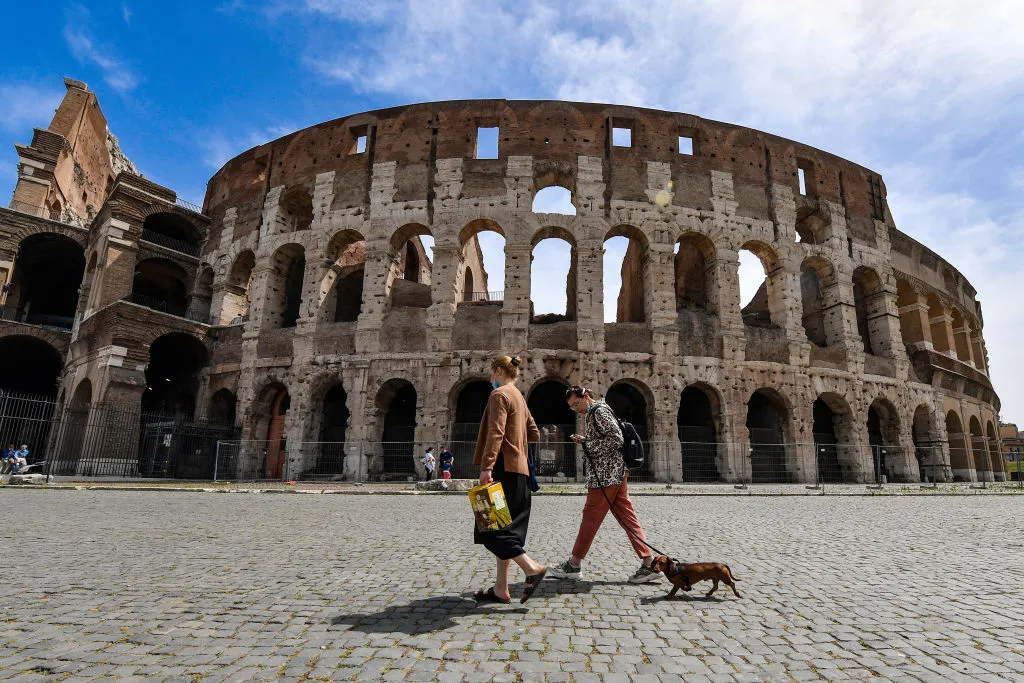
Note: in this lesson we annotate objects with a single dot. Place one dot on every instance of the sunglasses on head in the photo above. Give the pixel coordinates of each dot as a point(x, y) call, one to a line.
point(576, 391)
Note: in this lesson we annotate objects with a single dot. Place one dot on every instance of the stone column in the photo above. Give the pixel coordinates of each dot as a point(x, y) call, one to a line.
point(515, 311)
point(590, 295)
point(377, 277)
point(725, 282)
point(444, 296)
point(263, 271)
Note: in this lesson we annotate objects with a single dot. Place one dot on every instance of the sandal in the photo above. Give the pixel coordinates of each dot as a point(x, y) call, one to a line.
point(489, 596)
point(531, 584)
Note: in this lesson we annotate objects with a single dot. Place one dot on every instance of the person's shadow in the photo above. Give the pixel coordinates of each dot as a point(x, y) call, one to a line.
point(438, 613)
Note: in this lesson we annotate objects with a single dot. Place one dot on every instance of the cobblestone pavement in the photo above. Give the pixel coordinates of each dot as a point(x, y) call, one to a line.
point(217, 586)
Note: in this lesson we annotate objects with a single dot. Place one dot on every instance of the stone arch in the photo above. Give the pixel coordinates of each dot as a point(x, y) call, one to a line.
point(979, 450)
point(959, 454)
point(996, 461)
point(269, 413)
point(475, 276)
point(45, 280)
point(557, 233)
point(883, 425)
point(172, 374)
point(869, 301)
point(693, 266)
point(284, 287)
point(409, 276)
point(833, 432)
point(768, 417)
point(160, 284)
point(238, 294)
point(766, 305)
point(222, 408)
point(466, 402)
point(555, 197)
point(30, 364)
point(927, 449)
point(822, 319)
point(341, 281)
point(699, 428)
point(632, 301)
point(395, 413)
point(173, 230)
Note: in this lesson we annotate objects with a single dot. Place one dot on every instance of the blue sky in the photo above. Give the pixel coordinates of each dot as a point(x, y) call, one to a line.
point(929, 94)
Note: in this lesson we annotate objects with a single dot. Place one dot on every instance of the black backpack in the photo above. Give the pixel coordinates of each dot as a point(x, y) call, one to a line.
point(632, 447)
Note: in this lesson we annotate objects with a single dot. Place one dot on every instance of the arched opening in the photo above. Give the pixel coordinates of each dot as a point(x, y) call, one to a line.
point(826, 442)
point(698, 434)
point(625, 274)
point(342, 286)
point(694, 254)
point(483, 259)
point(553, 263)
point(160, 284)
point(556, 421)
point(238, 295)
point(996, 463)
point(757, 263)
point(43, 290)
point(295, 209)
point(884, 438)
point(173, 231)
point(76, 442)
point(284, 287)
point(222, 408)
point(630, 405)
point(869, 301)
point(817, 275)
point(277, 439)
point(554, 199)
point(172, 375)
point(766, 421)
point(29, 365)
point(396, 405)
point(411, 265)
point(334, 416)
point(979, 450)
point(961, 343)
point(811, 224)
point(926, 449)
point(203, 296)
point(469, 411)
point(959, 456)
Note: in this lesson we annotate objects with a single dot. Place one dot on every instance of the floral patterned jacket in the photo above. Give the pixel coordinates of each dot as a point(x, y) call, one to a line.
point(602, 441)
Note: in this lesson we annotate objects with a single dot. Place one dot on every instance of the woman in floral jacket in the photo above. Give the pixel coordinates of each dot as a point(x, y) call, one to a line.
point(606, 481)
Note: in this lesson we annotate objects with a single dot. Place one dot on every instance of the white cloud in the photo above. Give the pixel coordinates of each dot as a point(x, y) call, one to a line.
point(218, 148)
point(86, 50)
point(25, 107)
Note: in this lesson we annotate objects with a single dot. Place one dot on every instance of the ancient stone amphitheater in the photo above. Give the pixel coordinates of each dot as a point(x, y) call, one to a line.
point(301, 306)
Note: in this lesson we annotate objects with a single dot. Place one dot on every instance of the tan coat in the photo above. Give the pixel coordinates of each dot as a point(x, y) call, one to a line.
point(506, 428)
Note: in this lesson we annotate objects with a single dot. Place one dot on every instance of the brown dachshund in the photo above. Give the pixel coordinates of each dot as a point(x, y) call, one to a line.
point(685, 575)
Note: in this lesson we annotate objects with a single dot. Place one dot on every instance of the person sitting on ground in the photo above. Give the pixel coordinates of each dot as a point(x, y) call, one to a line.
point(7, 463)
point(606, 475)
point(21, 457)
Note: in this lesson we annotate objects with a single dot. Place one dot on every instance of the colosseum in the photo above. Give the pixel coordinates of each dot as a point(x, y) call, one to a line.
point(304, 308)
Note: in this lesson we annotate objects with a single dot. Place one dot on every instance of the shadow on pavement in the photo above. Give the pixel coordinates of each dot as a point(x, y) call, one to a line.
point(422, 616)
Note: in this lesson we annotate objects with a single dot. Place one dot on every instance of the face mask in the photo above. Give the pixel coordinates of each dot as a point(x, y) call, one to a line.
point(589, 407)
point(497, 384)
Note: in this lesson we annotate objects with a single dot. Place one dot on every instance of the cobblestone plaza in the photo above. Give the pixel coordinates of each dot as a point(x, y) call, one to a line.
point(205, 586)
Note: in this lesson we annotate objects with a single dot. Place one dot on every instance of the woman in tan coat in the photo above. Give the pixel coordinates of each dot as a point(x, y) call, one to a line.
point(501, 453)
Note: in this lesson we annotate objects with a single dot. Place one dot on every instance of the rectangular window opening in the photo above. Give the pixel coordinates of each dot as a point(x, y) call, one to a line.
point(487, 143)
point(360, 144)
point(686, 145)
point(803, 181)
point(622, 137)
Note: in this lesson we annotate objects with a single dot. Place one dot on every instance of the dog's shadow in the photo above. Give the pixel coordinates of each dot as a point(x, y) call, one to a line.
point(681, 598)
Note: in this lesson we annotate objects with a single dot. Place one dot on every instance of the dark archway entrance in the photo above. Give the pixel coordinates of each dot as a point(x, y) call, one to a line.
point(826, 444)
point(330, 457)
point(172, 376)
point(397, 400)
point(29, 366)
point(883, 436)
point(47, 273)
point(698, 438)
point(349, 294)
point(766, 419)
point(630, 405)
point(160, 284)
point(469, 412)
point(557, 422)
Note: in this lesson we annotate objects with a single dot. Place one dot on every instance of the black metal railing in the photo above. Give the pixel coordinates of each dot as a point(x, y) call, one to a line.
point(188, 206)
point(170, 242)
point(177, 309)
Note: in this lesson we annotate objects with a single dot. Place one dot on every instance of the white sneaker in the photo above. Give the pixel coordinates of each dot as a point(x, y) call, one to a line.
point(566, 571)
point(644, 575)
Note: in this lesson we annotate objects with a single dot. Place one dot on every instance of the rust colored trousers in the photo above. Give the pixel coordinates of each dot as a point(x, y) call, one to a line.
point(594, 511)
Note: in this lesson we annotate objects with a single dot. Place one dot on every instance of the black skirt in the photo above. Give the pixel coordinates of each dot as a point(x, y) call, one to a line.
point(509, 542)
